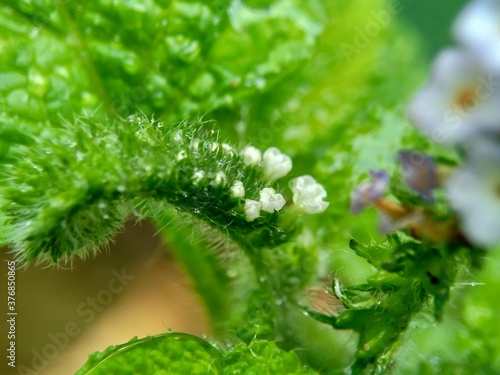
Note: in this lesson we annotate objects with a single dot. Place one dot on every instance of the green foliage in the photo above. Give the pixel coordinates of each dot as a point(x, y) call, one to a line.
point(411, 276)
point(262, 357)
point(171, 353)
point(82, 197)
point(112, 109)
point(467, 340)
point(174, 59)
point(177, 353)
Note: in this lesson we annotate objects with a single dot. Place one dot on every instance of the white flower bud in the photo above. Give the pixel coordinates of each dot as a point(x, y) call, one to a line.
point(252, 209)
point(220, 178)
point(270, 200)
point(276, 164)
point(198, 176)
point(251, 155)
point(213, 146)
point(177, 137)
point(228, 150)
point(182, 155)
point(308, 195)
point(237, 190)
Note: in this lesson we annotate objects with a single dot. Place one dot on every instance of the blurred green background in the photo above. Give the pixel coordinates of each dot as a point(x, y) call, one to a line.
point(429, 19)
point(432, 20)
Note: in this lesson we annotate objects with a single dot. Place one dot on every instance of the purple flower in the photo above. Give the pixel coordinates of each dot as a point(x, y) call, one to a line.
point(420, 173)
point(369, 191)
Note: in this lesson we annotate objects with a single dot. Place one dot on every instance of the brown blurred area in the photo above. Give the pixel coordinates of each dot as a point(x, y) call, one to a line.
point(63, 315)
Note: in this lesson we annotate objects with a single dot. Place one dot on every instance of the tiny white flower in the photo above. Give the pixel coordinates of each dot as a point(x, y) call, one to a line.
point(198, 176)
point(276, 164)
point(213, 146)
point(252, 209)
point(228, 150)
point(459, 101)
point(237, 190)
point(474, 192)
point(251, 155)
point(477, 28)
point(182, 155)
point(220, 178)
point(308, 195)
point(177, 137)
point(270, 200)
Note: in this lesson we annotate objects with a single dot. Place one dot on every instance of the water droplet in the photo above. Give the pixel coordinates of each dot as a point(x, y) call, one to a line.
point(79, 156)
point(232, 273)
point(34, 32)
point(293, 282)
point(177, 137)
point(260, 83)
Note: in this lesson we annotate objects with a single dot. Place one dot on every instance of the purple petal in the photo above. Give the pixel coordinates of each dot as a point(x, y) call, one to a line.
point(419, 172)
point(386, 224)
point(369, 191)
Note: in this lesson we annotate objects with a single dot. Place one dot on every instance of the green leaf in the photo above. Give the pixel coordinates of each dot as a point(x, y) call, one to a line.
point(175, 59)
point(171, 353)
point(263, 357)
point(180, 354)
point(59, 203)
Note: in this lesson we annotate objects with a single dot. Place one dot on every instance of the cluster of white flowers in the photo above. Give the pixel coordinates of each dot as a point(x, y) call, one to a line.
point(308, 198)
point(461, 106)
point(275, 163)
point(308, 195)
point(269, 201)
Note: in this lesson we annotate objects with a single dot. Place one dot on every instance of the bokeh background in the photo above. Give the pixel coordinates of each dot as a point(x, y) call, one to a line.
point(158, 295)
